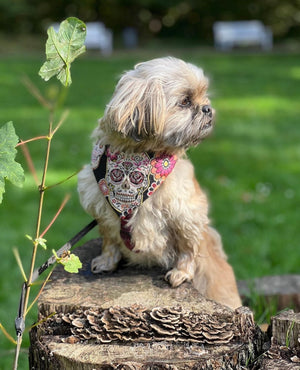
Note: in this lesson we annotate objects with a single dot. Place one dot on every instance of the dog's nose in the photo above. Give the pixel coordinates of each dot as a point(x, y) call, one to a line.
point(206, 109)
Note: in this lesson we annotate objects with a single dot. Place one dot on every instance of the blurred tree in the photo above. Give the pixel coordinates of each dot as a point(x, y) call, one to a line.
point(176, 18)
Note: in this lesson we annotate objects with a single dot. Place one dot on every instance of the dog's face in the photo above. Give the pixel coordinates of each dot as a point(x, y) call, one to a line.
point(163, 101)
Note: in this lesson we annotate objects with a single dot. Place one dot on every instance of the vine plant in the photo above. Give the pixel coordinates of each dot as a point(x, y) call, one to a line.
point(62, 48)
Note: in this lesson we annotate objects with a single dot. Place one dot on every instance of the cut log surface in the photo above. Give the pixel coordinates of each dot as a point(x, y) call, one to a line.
point(132, 319)
point(284, 352)
point(286, 329)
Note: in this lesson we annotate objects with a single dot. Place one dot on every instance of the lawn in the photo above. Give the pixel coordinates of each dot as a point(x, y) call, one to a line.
point(249, 167)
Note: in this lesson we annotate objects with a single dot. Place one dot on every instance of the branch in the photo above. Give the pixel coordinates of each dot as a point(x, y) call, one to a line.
point(62, 181)
point(22, 142)
point(29, 161)
point(62, 120)
point(67, 197)
point(8, 336)
point(40, 291)
point(19, 262)
point(36, 93)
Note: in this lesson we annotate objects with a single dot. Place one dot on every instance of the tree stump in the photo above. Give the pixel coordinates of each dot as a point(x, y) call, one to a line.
point(132, 319)
point(284, 352)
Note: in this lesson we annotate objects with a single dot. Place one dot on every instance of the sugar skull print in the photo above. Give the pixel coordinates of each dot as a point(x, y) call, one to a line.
point(125, 181)
point(128, 179)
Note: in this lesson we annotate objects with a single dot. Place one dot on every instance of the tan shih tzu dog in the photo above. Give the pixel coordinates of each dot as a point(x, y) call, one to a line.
point(140, 186)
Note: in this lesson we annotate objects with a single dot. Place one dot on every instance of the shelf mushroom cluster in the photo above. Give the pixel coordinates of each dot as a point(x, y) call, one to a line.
point(138, 324)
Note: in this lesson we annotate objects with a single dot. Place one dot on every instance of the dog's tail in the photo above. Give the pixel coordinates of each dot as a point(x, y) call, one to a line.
point(214, 277)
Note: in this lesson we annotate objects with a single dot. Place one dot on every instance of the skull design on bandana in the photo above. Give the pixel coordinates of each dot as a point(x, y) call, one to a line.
point(127, 177)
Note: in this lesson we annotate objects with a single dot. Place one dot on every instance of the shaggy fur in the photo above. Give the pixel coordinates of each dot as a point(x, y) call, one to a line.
point(162, 106)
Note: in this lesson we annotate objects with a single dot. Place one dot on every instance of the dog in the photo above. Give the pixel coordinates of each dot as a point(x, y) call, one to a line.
point(141, 187)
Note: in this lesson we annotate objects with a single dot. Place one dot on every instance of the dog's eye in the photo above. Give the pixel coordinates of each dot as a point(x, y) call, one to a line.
point(186, 102)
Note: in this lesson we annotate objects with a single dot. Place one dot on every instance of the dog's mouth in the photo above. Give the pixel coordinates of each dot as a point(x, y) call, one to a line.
point(206, 128)
point(204, 131)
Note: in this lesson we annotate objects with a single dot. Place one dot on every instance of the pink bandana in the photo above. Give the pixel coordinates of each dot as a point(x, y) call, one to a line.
point(127, 180)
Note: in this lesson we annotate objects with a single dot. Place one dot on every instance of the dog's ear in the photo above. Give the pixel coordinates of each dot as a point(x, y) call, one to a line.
point(137, 108)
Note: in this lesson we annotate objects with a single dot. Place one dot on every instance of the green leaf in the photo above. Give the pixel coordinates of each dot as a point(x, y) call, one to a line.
point(70, 261)
point(42, 242)
point(62, 48)
point(72, 264)
point(9, 169)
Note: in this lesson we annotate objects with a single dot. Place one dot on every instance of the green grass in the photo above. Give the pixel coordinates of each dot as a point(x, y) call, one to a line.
point(250, 167)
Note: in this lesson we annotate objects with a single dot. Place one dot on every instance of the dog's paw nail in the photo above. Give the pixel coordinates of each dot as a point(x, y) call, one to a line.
point(104, 264)
point(176, 277)
point(167, 277)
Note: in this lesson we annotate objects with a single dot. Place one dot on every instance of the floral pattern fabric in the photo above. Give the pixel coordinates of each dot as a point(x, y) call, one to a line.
point(128, 179)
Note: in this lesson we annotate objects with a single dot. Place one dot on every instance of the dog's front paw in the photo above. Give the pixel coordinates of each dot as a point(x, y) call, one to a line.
point(176, 277)
point(106, 262)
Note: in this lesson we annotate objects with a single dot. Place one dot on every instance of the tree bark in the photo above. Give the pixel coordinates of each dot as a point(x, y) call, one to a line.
point(132, 319)
point(284, 351)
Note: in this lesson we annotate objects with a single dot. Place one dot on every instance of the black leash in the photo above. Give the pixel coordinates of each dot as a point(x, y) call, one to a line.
point(19, 322)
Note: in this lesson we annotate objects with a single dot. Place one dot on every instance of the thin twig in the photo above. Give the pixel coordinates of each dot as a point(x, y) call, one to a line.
point(67, 197)
point(35, 244)
point(63, 181)
point(61, 121)
point(40, 207)
point(40, 291)
point(8, 336)
point(17, 353)
point(36, 93)
point(43, 320)
point(22, 142)
point(30, 164)
point(19, 262)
